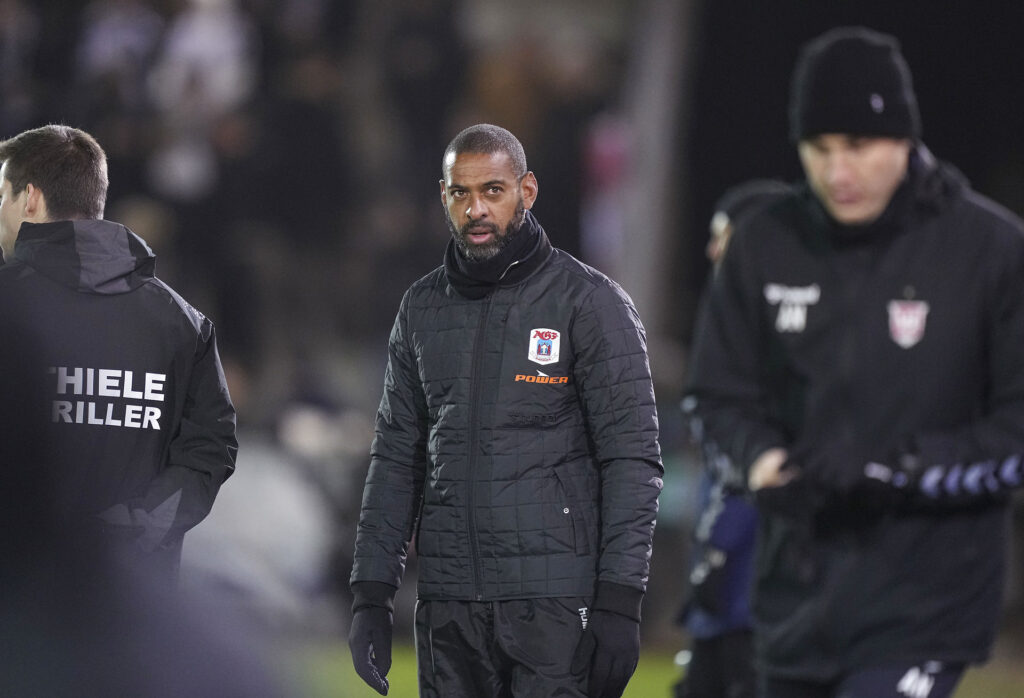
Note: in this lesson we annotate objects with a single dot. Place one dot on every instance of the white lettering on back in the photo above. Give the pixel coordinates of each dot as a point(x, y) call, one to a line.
point(116, 386)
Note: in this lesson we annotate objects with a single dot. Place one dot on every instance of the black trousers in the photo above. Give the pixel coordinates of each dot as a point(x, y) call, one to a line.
point(923, 680)
point(720, 667)
point(499, 649)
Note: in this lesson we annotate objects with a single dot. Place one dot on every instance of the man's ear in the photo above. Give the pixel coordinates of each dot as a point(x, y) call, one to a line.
point(529, 189)
point(35, 205)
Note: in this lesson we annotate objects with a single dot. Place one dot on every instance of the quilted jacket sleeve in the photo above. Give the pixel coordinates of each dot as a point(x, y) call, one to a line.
point(394, 484)
point(613, 376)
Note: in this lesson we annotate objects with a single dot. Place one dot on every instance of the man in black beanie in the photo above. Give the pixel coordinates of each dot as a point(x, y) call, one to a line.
point(861, 360)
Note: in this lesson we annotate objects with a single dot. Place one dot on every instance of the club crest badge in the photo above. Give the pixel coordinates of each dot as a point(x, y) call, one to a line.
point(544, 345)
point(907, 322)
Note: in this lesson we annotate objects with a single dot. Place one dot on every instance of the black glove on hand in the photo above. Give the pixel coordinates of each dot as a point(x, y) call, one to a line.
point(610, 645)
point(947, 485)
point(798, 498)
point(369, 637)
point(883, 488)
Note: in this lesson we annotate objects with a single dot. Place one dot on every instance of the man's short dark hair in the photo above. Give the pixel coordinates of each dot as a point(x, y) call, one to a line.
point(487, 138)
point(65, 163)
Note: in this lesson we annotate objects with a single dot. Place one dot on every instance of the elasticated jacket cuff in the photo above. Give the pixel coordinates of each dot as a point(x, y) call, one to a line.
point(378, 594)
point(618, 598)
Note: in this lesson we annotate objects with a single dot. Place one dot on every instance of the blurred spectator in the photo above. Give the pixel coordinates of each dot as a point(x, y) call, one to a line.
point(117, 43)
point(207, 64)
point(574, 79)
point(422, 57)
point(19, 39)
point(606, 155)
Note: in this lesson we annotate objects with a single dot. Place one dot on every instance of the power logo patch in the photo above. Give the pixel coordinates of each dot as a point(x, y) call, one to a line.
point(542, 379)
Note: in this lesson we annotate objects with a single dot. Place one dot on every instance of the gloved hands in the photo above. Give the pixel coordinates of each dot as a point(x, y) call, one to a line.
point(369, 637)
point(949, 485)
point(128, 521)
point(610, 646)
point(823, 483)
point(781, 485)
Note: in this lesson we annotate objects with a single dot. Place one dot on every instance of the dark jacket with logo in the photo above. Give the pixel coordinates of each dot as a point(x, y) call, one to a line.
point(139, 409)
point(518, 431)
point(846, 346)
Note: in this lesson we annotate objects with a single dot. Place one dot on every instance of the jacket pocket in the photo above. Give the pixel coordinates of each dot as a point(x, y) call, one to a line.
point(574, 507)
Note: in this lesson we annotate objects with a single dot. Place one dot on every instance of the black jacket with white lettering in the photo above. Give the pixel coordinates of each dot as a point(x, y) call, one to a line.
point(518, 431)
point(848, 345)
point(140, 412)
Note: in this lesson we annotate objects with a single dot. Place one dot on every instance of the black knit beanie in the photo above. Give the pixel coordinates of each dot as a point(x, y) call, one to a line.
point(853, 80)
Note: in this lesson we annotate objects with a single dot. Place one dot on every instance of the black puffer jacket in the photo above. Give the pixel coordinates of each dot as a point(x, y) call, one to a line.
point(848, 346)
point(139, 409)
point(519, 431)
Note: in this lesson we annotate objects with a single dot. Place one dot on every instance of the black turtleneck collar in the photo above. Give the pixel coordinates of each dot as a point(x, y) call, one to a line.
point(888, 223)
point(513, 263)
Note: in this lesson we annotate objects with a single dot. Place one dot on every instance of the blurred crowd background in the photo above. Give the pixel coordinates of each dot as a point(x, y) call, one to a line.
point(282, 157)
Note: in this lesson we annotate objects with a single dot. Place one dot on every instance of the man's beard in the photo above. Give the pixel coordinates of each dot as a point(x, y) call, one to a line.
point(500, 240)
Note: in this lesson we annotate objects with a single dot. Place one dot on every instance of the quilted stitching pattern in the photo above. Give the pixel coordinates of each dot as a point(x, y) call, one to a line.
point(549, 462)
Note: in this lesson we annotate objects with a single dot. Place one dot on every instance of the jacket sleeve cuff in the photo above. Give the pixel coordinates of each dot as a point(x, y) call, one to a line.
point(618, 598)
point(379, 594)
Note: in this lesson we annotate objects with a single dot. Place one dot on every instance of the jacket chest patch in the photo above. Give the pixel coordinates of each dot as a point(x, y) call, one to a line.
point(907, 322)
point(544, 346)
point(792, 302)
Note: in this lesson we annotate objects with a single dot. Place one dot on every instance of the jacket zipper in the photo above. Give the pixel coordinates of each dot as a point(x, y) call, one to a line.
point(474, 440)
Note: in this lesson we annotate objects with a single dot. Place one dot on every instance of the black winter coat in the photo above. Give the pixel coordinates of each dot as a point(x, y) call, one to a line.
point(519, 432)
point(139, 412)
point(846, 349)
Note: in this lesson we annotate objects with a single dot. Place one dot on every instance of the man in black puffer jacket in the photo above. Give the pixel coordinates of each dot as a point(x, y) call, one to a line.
point(862, 359)
point(518, 437)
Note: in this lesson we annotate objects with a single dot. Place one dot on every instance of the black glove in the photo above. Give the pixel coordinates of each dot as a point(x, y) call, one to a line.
point(610, 646)
point(796, 500)
point(947, 485)
point(369, 637)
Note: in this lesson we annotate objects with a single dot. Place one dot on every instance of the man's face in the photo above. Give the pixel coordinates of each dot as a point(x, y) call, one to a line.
point(485, 202)
point(11, 216)
point(854, 177)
